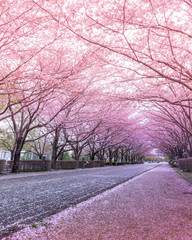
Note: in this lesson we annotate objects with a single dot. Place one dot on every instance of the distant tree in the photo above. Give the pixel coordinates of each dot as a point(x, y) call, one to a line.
point(7, 140)
point(37, 142)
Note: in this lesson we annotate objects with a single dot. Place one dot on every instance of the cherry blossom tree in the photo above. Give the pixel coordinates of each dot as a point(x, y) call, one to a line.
point(149, 41)
point(170, 125)
point(53, 52)
point(58, 143)
point(37, 111)
point(150, 36)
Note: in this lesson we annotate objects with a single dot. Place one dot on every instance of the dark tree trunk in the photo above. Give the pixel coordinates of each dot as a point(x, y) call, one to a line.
point(92, 157)
point(116, 155)
point(125, 158)
point(77, 154)
point(110, 156)
point(12, 155)
point(122, 155)
point(17, 154)
point(16, 158)
point(55, 149)
point(101, 155)
point(15, 168)
point(53, 158)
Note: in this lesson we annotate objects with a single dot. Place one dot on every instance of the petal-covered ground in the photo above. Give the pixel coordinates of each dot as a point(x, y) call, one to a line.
point(154, 205)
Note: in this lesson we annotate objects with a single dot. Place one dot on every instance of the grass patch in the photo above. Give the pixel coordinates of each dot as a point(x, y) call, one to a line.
point(65, 168)
point(124, 163)
point(33, 225)
point(40, 223)
point(35, 170)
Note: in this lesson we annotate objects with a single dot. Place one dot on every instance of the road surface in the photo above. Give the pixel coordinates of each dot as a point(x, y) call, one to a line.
point(155, 205)
point(25, 198)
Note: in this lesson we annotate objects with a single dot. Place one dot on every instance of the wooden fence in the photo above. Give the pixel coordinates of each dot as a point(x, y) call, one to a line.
point(183, 163)
point(2, 165)
point(36, 165)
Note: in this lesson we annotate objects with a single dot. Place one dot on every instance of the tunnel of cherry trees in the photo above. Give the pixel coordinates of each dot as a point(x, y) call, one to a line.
point(108, 79)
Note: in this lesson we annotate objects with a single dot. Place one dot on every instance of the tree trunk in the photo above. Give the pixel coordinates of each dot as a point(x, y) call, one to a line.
point(92, 157)
point(101, 155)
point(16, 158)
point(53, 159)
point(116, 155)
point(122, 156)
point(12, 155)
point(126, 157)
point(76, 157)
point(77, 154)
point(55, 149)
point(110, 157)
point(17, 154)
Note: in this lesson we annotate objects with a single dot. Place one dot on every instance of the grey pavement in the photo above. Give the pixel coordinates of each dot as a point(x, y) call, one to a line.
point(155, 205)
point(25, 198)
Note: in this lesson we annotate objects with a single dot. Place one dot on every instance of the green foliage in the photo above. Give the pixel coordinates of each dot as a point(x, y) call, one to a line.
point(7, 139)
point(66, 156)
point(43, 224)
point(172, 164)
point(34, 225)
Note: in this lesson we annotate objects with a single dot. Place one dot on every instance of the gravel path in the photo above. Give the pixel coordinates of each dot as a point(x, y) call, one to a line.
point(154, 205)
